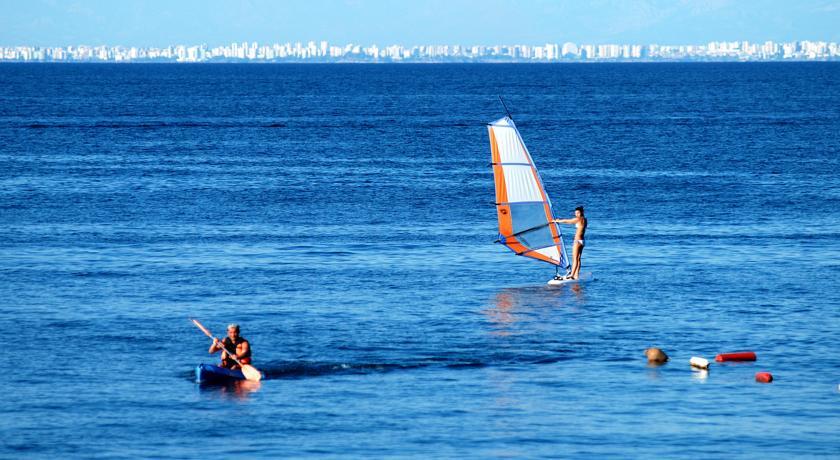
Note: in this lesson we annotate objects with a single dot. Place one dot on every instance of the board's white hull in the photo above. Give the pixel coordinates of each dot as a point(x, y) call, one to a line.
point(584, 277)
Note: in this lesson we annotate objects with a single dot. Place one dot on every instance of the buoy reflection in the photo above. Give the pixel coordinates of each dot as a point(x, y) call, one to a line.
point(700, 374)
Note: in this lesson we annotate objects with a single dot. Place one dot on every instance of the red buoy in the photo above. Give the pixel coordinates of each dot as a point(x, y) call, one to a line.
point(763, 377)
point(739, 356)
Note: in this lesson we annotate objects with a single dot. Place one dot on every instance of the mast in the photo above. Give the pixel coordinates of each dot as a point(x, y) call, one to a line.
point(505, 106)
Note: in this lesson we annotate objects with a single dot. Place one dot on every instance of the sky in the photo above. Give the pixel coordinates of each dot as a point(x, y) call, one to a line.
point(413, 22)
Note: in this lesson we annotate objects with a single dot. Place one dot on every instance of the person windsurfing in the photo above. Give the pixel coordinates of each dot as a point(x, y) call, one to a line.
point(580, 222)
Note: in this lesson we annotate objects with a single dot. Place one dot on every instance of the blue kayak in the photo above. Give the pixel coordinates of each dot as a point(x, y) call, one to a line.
point(208, 373)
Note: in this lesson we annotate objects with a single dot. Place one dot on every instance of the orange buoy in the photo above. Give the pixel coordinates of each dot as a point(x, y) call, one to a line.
point(739, 356)
point(656, 356)
point(763, 377)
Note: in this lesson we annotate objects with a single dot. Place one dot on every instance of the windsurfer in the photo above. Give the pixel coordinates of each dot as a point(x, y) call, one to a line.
point(580, 222)
point(233, 344)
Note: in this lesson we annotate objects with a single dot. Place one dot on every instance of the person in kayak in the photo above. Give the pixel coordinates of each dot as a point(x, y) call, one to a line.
point(232, 344)
point(580, 223)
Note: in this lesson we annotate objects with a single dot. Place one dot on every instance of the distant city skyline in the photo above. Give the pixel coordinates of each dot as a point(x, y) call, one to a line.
point(159, 23)
point(323, 51)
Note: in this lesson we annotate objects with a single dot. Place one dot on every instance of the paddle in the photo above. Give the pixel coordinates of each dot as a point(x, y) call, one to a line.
point(250, 372)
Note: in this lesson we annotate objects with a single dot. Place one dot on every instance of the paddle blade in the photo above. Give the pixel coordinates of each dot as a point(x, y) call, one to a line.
point(251, 373)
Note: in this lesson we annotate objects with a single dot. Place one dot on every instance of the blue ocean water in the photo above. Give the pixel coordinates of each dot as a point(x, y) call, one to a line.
point(342, 214)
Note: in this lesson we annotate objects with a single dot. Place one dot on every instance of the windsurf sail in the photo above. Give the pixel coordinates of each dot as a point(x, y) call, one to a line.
point(522, 206)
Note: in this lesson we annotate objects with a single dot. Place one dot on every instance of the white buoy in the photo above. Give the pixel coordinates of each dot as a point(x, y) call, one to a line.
point(698, 362)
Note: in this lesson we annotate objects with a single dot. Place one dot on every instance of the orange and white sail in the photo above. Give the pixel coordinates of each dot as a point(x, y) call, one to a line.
point(522, 206)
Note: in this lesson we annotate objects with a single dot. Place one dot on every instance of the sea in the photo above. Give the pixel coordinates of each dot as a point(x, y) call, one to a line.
point(343, 216)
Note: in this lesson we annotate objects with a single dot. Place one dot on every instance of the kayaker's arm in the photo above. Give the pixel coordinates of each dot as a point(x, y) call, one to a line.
point(216, 346)
point(219, 345)
point(246, 348)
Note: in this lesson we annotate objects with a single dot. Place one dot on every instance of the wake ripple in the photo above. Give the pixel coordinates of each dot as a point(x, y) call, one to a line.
point(302, 369)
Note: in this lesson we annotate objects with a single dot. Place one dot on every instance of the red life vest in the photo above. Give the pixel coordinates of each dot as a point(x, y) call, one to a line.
point(230, 347)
